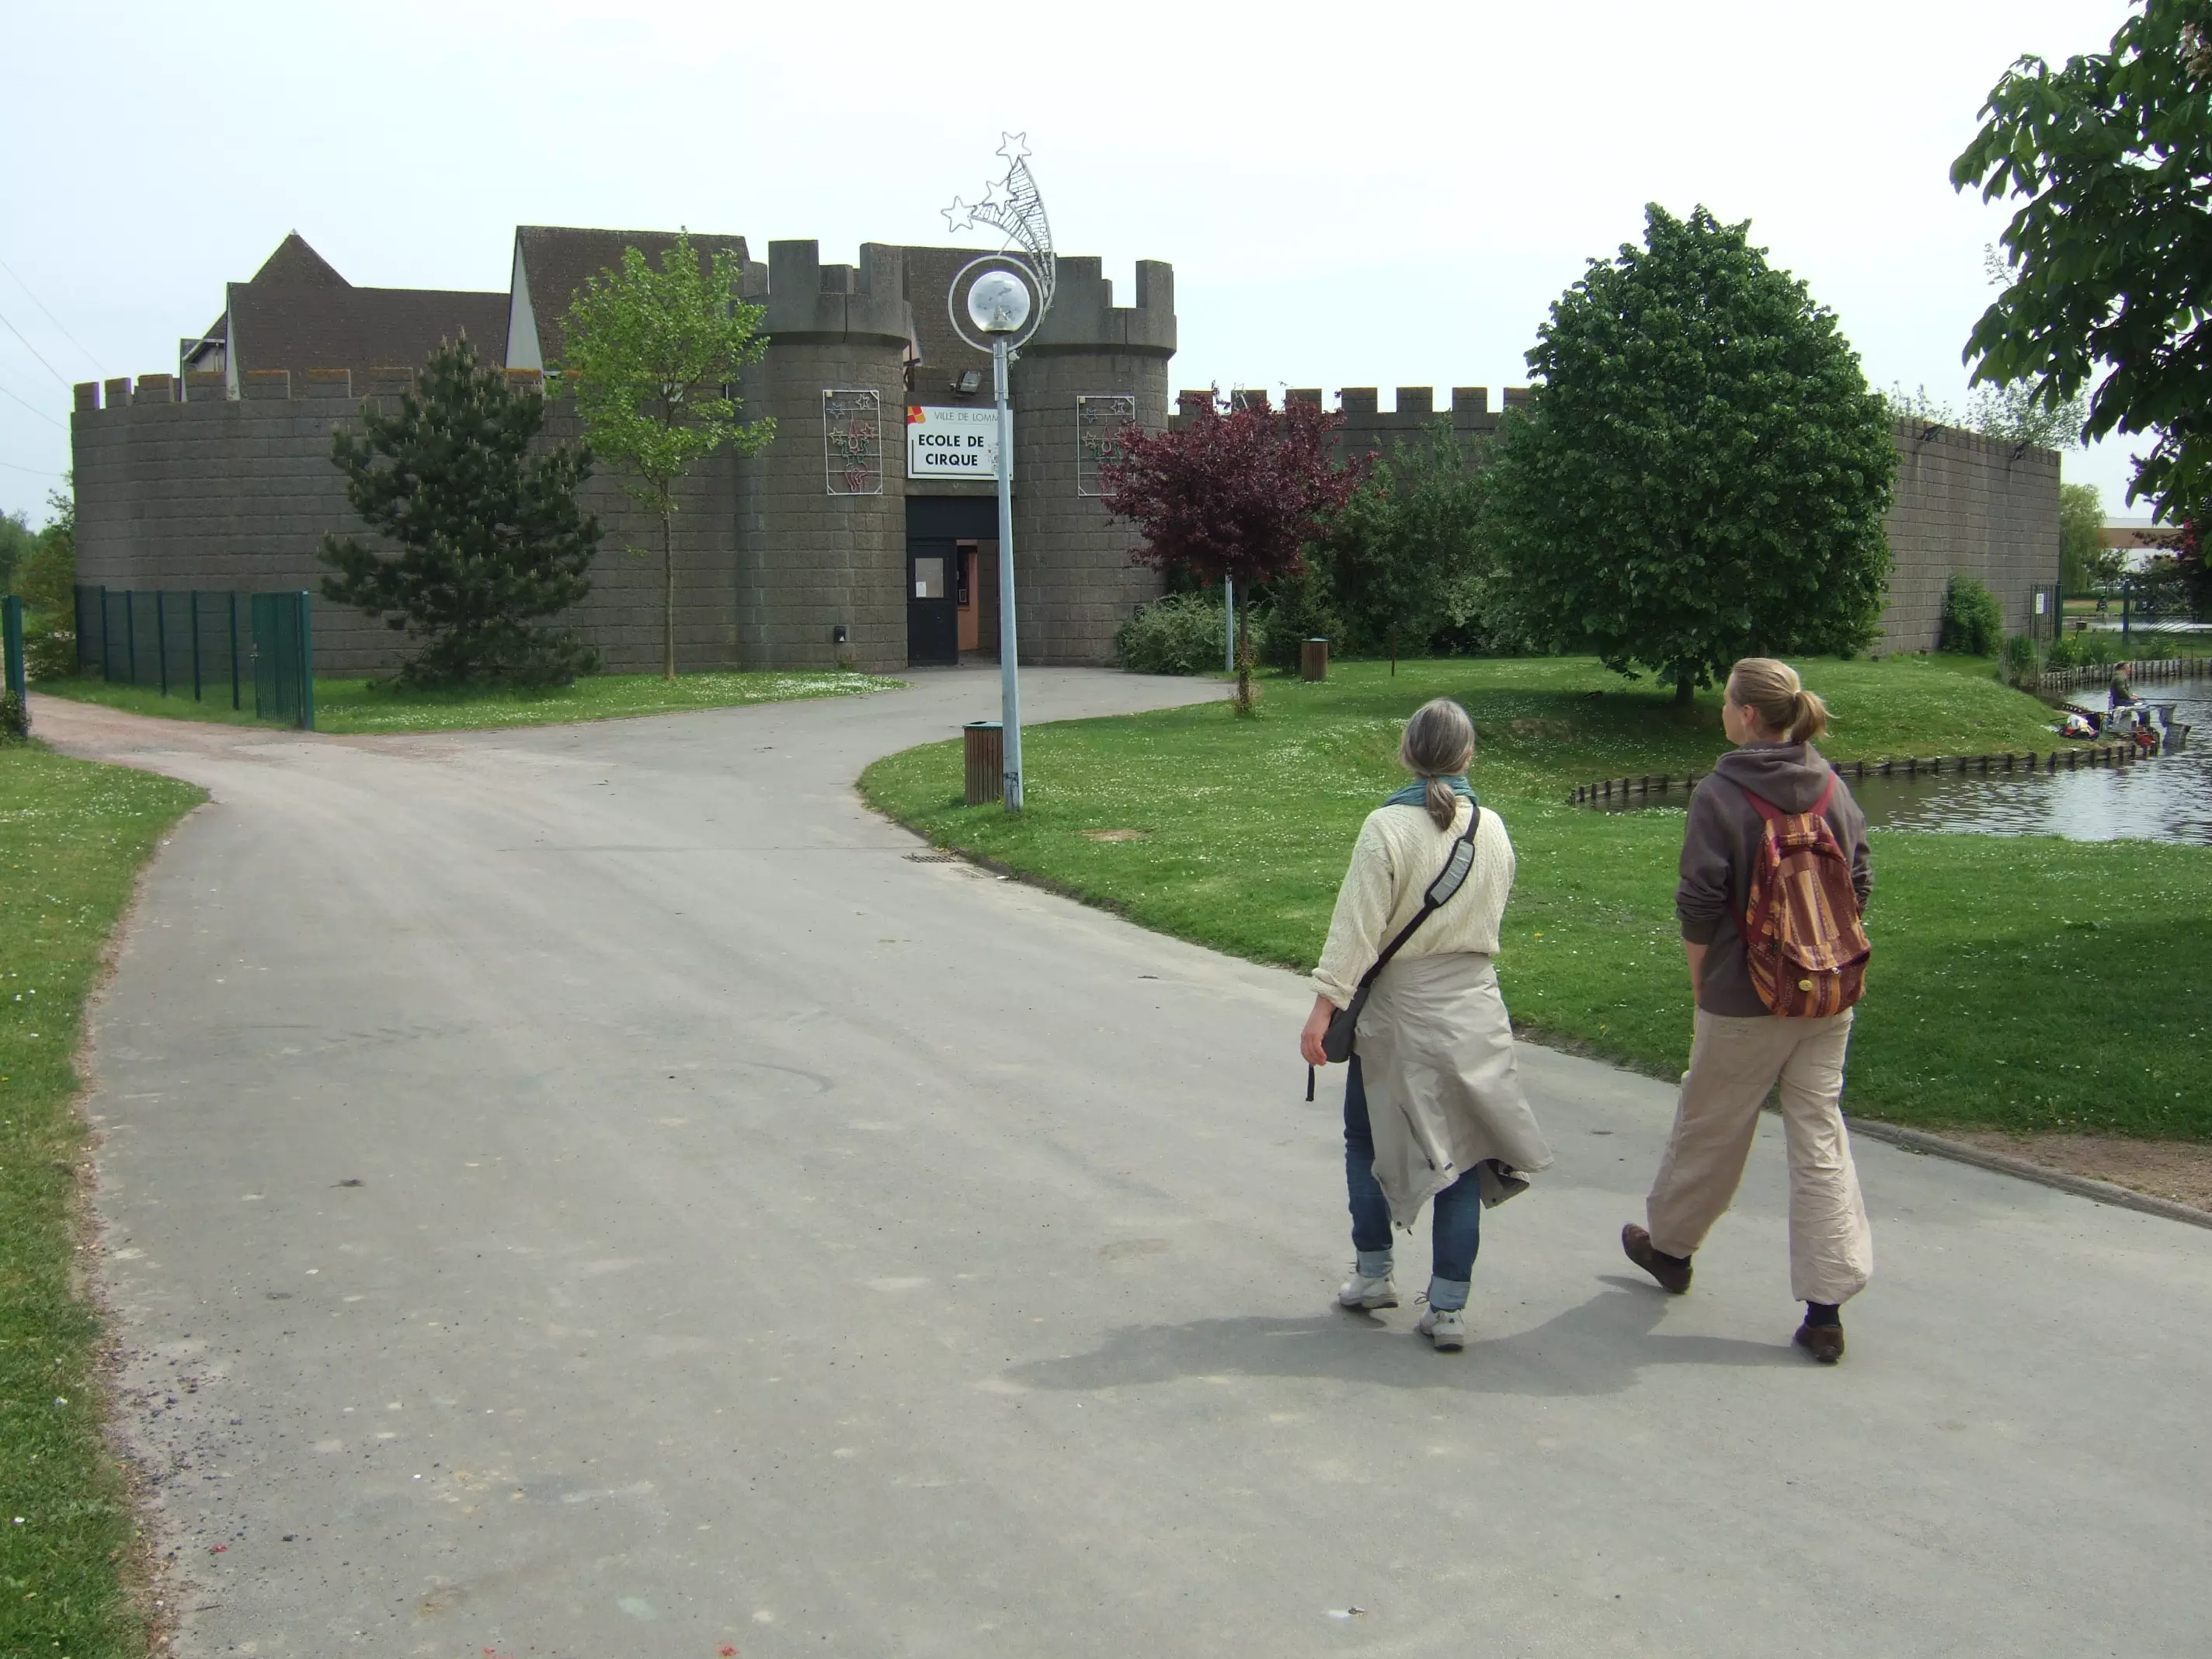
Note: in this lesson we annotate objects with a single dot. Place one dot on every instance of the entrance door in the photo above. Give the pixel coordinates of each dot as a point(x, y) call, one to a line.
point(970, 631)
point(932, 613)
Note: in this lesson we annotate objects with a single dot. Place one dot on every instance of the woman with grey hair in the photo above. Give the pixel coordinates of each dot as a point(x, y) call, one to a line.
point(1433, 1108)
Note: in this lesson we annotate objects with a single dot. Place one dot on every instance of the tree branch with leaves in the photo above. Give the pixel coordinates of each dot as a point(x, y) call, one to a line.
point(652, 358)
point(2108, 260)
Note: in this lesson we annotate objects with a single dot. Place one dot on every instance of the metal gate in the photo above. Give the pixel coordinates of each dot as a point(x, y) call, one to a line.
point(209, 647)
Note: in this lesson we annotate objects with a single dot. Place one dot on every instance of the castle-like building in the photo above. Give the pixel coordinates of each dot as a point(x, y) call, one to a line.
point(858, 537)
point(865, 533)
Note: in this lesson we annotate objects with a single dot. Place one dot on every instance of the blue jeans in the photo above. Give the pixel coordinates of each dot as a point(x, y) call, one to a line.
point(1455, 1226)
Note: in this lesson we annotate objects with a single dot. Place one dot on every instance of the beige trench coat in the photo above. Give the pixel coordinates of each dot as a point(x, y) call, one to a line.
point(1444, 1091)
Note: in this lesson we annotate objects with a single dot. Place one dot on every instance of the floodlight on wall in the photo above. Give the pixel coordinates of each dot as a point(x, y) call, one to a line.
point(970, 383)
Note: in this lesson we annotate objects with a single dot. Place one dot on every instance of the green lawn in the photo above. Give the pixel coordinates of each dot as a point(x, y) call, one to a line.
point(72, 836)
point(2017, 983)
point(361, 705)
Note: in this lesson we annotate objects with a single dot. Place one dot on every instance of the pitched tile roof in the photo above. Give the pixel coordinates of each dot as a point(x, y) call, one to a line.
point(301, 328)
point(557, 260)
point(295, 264)
point(300, 313)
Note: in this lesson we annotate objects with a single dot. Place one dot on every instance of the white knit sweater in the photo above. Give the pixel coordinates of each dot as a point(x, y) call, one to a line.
point(1399, 853)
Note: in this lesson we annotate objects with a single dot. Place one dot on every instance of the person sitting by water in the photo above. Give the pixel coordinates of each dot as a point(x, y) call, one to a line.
point(2121, 694)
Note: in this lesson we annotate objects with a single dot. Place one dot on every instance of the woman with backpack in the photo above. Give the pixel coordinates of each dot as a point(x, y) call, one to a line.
point(1774, 877)
point(1433, 1105)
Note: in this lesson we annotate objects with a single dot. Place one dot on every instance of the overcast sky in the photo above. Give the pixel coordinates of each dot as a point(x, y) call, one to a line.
point(1350, 195)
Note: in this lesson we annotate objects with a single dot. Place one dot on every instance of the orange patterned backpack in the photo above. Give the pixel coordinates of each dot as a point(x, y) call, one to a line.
point(1803, 940)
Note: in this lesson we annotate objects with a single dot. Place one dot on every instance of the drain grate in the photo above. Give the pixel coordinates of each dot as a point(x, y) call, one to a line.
point(933, 858)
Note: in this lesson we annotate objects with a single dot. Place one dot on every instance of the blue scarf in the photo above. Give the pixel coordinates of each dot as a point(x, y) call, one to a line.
point(1416, 793)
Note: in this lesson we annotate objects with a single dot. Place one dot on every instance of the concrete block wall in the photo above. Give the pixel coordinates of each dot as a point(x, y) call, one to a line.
point(1961, 502)
point(1074, 582)
point(1964, 502)
point(808, 561)
point(214, 492)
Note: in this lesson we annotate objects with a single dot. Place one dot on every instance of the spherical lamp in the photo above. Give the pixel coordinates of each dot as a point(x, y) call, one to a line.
point(999, 302)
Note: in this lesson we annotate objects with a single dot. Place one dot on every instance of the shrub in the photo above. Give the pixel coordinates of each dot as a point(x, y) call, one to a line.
point(14, 717)
point(1973, 622)
point(49, 648)
point(1300, 607)
point(1182, 634)
point(2022, 662)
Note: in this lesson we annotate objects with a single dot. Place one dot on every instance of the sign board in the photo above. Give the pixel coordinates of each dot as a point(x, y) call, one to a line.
point(951, 442)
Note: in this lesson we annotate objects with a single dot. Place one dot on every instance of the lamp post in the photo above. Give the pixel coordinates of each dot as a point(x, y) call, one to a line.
point(999, 304)
point(1006, 303)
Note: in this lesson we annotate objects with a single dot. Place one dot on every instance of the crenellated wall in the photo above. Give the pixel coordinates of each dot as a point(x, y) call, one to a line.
point(1075, 583)
point(808, 561)
point(211, 492)
point(1961, 502)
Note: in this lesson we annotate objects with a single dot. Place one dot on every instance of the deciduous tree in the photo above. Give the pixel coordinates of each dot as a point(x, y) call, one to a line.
point(2110, 253)
point(652, 357)
point(2084, 562)
point(1406, 551)
point(1701, 472)
point(490, 540)
point(1235, 493)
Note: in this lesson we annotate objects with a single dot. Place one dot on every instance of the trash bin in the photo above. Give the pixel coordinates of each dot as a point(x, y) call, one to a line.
point(1313, 659)
point(985, 751)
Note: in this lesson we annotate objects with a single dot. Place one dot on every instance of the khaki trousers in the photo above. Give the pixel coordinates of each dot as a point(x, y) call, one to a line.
point(1733, 1063)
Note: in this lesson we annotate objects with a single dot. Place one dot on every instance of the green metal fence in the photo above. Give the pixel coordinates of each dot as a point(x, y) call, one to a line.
point(11, 646)
point(221, 647)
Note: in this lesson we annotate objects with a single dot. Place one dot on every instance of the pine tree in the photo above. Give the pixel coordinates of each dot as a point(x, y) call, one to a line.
point(490, 539)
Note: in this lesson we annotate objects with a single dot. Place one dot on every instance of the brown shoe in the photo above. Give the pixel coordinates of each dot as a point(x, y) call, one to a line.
point(1673, 1271)
point(1824, 1342)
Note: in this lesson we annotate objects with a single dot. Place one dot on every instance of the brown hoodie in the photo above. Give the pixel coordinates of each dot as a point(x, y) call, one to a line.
point(1722, 840)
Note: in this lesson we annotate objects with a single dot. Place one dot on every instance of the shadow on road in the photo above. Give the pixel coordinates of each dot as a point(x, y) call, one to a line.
point(1597, 1348)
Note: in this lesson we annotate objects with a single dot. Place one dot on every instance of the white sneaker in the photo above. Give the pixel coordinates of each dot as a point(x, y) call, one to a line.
point(1368, 1293)
point(1446, 1328)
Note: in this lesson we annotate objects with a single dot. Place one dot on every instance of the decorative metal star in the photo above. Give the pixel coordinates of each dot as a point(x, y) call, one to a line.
point(1014, 146)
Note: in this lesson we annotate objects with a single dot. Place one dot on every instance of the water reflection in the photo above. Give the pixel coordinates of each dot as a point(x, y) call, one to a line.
point(2165, 800)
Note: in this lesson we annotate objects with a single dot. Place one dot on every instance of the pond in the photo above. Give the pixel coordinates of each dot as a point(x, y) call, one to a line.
point(2169, 798)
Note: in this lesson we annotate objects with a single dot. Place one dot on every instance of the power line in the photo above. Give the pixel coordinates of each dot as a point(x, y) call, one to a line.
point(35, 471)
point(33, 350)
point(50, 316)
point(34, 409)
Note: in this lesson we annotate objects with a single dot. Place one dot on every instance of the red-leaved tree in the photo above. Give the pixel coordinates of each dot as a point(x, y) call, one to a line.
point(1234, 493)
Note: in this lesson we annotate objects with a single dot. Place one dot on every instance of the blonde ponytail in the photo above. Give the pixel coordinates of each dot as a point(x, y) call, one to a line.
point(1771, 690)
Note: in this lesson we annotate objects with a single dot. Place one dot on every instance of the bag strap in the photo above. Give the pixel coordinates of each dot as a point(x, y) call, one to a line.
point(1774, 814)
point(1441, 892)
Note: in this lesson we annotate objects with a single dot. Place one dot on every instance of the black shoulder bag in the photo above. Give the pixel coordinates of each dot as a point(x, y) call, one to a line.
point(1336, 1041)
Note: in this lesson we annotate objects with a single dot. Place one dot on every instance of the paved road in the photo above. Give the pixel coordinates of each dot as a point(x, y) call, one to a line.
point(588, 1191)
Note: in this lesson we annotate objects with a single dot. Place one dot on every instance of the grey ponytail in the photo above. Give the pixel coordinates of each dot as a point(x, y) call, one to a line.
point(1439, 744)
